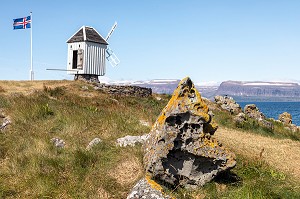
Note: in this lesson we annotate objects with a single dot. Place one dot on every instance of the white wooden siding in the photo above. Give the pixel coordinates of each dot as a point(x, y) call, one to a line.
point(93, 60)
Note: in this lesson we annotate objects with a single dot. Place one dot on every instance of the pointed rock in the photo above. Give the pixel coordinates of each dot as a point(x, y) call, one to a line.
point(180, 149)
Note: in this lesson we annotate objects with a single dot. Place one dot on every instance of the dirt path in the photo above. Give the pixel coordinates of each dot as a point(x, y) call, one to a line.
point(283, 154)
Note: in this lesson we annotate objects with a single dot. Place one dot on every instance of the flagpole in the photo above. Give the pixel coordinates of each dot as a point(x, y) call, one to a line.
point(31, 64)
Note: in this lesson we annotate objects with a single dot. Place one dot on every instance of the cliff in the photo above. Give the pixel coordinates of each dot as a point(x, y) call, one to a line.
point(278, 91)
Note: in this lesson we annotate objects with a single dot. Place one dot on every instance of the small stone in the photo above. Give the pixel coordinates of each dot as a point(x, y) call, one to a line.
point(85, 88)
point(145, 123)
point(59, 143)
point(93, 143)
point(6, 121)
point(130, 140)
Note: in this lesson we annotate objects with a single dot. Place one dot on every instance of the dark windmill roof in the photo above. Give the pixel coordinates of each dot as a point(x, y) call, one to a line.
point(86, 33)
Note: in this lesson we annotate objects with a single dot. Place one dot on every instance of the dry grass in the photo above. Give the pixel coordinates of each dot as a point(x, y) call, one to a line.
point(128, 171)
point(283, 154)
point(31, 167)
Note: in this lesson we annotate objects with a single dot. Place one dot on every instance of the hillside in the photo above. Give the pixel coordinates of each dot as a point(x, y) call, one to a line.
point(32, 167)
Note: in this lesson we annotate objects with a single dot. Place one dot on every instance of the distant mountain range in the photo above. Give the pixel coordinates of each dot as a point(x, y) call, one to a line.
point(239, 90)
point(167, 86)
point(260, 91)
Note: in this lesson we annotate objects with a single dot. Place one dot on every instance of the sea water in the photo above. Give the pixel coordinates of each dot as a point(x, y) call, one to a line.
point(274, 109)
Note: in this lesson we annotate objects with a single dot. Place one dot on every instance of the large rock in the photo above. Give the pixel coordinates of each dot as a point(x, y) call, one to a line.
point(228, 103)
point(180, 149)
point(240, 118)
point(253, 112)
point(285, 118)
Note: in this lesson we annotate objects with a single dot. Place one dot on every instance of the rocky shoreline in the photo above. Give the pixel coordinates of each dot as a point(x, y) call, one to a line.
point(251, 111)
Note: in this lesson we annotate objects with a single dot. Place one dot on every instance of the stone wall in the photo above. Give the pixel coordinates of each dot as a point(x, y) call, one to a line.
point(87, 78)
point(135, 91)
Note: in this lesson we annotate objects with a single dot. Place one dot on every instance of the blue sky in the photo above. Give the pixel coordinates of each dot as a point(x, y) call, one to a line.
point(214, 40)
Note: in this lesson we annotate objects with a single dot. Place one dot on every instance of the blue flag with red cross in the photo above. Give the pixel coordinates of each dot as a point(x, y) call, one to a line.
point(22, 23)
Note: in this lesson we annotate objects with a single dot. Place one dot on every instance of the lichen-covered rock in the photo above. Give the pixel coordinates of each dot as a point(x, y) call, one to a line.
point(228, 103)
point(253, 112)
point(130, 140)
point(180, 149)
point(240, 118)
point(285, 118)
point(147, 189)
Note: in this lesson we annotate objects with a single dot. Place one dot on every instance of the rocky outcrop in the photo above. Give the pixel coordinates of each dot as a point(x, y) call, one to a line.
point(240, 118)
point(147, 189)
point(135, 91)
point(180, 149)
point(228, 103)
point(285, 118)
point(253, 112)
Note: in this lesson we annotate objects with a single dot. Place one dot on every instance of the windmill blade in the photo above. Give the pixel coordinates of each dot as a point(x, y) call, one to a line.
point(112, 58)
point(111, 31)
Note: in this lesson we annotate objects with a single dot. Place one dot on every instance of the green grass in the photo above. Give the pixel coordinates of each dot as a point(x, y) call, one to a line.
point(31, 167)
point(224, 118)
point(249, 179)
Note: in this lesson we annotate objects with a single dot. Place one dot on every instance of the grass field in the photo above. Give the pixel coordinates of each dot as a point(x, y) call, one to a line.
point(31, 167)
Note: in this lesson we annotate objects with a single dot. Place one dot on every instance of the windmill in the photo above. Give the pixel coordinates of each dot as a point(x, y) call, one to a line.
point(87, 52)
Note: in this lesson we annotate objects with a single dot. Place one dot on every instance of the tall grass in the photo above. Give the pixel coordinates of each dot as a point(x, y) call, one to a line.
point(32, 167)
point(249, 179)
point(279, 131)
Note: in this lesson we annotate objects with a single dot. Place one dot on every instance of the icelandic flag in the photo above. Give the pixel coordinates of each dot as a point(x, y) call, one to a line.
point(22, 23)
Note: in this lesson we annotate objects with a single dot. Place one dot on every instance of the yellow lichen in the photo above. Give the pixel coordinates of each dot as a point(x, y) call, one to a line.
point(182, 101)
point(152, 183)
point(155, 185)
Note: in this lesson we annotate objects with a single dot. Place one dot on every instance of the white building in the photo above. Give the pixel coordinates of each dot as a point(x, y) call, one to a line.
point(86, 54)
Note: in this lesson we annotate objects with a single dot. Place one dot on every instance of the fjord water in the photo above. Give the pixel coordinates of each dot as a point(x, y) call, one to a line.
point(274, 109)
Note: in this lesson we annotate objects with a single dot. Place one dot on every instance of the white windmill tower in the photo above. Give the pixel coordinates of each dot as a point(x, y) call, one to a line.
point(88, 52)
